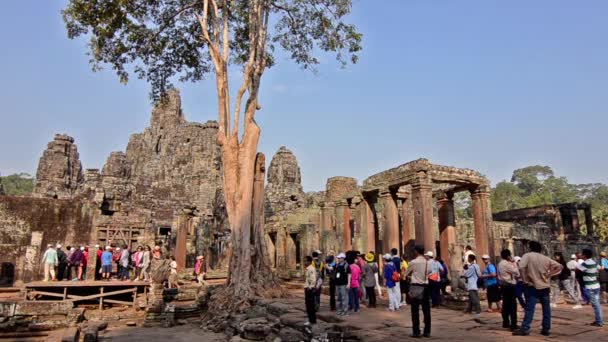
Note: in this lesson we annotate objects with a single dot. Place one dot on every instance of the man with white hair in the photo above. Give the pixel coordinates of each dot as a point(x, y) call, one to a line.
point(49, 259)
point(341, 281)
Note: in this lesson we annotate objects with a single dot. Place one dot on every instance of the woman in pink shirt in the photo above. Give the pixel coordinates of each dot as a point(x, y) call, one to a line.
point(354, 280)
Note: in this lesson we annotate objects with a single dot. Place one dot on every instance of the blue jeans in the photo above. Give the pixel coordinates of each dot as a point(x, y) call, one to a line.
point(532, 297)
point(594, 299)
point(353, 298)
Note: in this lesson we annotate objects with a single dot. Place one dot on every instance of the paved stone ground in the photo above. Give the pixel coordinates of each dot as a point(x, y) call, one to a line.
point(380, 325)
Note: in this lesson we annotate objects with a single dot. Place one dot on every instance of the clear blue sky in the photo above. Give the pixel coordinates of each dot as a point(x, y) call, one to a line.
point(488, 85)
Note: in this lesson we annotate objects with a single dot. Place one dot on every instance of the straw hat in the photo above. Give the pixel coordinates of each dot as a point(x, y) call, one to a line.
point(369, 257)
point(603, 254)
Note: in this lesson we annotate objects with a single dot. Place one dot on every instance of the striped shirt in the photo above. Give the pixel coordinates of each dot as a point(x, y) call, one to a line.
point(590, 274)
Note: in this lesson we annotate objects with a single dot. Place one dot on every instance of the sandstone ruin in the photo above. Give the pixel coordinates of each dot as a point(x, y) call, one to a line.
point(166, 189)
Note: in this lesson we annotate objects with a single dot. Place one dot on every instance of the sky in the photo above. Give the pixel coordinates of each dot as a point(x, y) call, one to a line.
point(488, 85)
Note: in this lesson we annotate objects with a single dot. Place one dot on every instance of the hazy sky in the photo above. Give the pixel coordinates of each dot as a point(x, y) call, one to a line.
point(488, 85)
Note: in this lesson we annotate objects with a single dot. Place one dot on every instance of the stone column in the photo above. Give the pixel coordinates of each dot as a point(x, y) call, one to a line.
point(447, 233)
point(407, 220)
point(391, 222)
point(181, 249)
point(422, 202)
point(482, 219)
point(370, 227)
point(343, 224)
point(327, 216)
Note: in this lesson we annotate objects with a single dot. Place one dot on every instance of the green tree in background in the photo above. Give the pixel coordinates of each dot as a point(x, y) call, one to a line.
point(17, 184)
point(538, 185)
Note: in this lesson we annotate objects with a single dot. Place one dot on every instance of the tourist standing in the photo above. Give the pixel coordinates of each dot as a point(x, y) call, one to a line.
point(508, 274)
point(68, 255)
point(563, 280)
point(145, 264)
point(85, 262)
point(62, 263)
point(319, 265)
point(472, 274)
point(519, 286)
point(491, 282)
point(579, 279)
point(404, 284)
point(434, 279)
point(76, 261)
point(200, 269)
point(589, 271)
point(173, 275)
point(341, 280)
point(390, 281)
point(124, 263)
point(136, 261)
point(106, 263)
point(418, 271)
point(98, 262)
point(468, 250)
point(572, 266)
point(603, 276)
point(49, 259)
point(370, 279)
point(330, 268)
point(445, 278)
point(537, 270)
point(310, 285)
point(397, 263)
point(354, 282)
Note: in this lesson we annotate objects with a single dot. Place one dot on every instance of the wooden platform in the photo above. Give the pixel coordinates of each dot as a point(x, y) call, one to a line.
point(103, 292)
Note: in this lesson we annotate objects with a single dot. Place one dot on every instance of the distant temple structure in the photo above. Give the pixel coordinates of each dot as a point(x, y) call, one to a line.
point(166, 189)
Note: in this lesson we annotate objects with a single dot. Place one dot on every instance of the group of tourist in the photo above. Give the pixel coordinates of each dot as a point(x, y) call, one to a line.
point(354, 278)
point(112, 262)
point(70, 264)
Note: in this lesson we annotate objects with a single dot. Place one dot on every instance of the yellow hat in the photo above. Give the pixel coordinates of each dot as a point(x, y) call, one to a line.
point(369, 257)
point(603, 254)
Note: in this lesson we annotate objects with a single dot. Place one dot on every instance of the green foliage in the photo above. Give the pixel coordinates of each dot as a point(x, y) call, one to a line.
point(537, 185)
point(160, 41)
point(17, 184)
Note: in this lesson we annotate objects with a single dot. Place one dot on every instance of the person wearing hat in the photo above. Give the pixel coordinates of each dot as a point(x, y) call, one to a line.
point(603, 275)
point(319, 265)
point(75, 261)
point(519, 285)
point(434, 278)
point(490, 278)
point(330, 268)
point(563, 280)
point(419, 271)
point(106, 263)
point(391, 283)
point(341, 281)
point(370, 279)
point(62, 262)
point(310, 288)
point(49, 259)
point(572, 266)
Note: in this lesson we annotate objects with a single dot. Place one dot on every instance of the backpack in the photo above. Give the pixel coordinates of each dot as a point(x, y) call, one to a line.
point(395, 275)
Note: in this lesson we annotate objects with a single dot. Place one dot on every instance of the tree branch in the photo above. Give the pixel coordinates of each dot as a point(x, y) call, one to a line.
point(166, 24)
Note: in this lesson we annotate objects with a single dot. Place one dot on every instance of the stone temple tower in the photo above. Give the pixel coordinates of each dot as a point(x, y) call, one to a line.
point(284, 189)
point(59, 172)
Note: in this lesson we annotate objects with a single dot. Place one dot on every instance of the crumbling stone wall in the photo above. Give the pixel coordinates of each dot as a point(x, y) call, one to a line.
point(28, 224)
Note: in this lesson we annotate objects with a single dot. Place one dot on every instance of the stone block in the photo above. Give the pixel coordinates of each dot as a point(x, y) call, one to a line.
point(70, 335)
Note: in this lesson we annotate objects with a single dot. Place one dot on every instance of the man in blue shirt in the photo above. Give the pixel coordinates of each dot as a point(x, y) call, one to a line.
point(106, 263)
point(491, 282)
point(603, 275)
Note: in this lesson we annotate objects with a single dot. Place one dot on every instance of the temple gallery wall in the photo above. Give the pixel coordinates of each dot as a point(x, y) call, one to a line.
point(166, 189)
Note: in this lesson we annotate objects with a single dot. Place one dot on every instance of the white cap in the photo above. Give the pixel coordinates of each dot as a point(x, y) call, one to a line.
point(96, 246)
point(429, 254)
point(108, 247)
point(117, 248)
point(517, 258)
point(485, 256)
point(82, 248)
point(318, 251)
point(58, 245)
point(573, 256)
point(387, 256)
point(341, 256)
